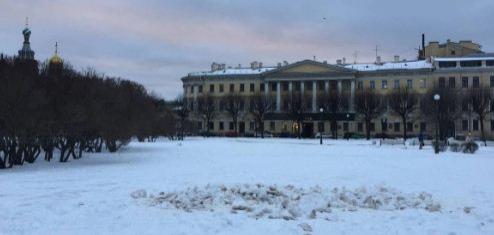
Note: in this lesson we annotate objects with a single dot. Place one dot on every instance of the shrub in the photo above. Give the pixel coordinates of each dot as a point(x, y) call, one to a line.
point(469, 147)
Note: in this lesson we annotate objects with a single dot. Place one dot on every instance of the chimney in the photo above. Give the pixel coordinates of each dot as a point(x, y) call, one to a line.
point(215, 67)
point(279, 64)
point(397, 58)
point(378, 59)
point(338, 62)
point(239, 66)
point(223, 66)
point(325, 62)
point(285, 63)
point(344, 60)
point(254, 65)
point(260, 65)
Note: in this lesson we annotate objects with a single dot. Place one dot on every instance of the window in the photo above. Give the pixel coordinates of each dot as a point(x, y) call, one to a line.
point(452, 82)
point(263, 87)
point(409, 126)
point(272, 126)
point(360, 127)
point(242, 87)
point(372, 85)
point(464, 106)
point(384, 84)
point(447, 64)
point(360, 85)
point(492, 105)
point(492, 125)
point(222, 88)
point(230, 126)
point(252, 87)
point(221, 105)
point(475, 125)
point(284, 85)
point(397, 84)
point(242, 105)
point(464, 82)
point(397, 127)
point(423, 127)
point(211, 88)
point(320, 126)
point(199, 125)
point(423, 84)
point(492, 81)
point(211, 125)
point(232, 88)
point(252, 126)
point(476, 82)
point(320, 85)
point(464, 125)
point(442, 82)
point(473, 63)
point(273, 87)
point(200, 88)
point(410, 83)
point(345, 126)
point(372, 126)
point(308, 86)
point(192, 89)
point(489, 63)
point(222, 126)
point(384, 125)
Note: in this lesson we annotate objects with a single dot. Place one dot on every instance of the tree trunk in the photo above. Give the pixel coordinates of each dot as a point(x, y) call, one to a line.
point(404, 120)
point(481, 119)
point(367, 129)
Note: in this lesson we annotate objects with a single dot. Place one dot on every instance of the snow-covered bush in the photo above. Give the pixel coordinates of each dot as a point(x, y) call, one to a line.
point(455, 147)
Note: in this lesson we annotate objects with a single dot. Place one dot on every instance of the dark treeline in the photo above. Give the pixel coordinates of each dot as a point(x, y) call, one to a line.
point(53, 109)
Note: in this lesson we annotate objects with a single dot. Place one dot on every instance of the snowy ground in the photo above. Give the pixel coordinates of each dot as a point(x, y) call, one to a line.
point(250, 186)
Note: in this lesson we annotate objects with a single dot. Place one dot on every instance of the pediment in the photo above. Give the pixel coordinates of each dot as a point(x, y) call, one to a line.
point(308, 67)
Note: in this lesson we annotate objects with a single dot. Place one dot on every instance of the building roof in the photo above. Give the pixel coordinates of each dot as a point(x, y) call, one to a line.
point(404, 65)
point(233, 71)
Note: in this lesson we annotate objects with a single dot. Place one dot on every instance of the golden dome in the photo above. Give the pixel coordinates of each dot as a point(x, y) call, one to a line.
point(55, 59)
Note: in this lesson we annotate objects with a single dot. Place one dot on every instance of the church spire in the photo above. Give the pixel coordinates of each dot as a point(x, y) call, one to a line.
point(26, 53)
point(55, 59)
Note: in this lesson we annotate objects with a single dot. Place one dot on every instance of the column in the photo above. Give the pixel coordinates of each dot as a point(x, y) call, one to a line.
point(326, 87)
point(314, 96)
point(278, 96)
point(302, 89)
point(352, 96)
point(290, 87)
point(339, 87)
point(266, 88)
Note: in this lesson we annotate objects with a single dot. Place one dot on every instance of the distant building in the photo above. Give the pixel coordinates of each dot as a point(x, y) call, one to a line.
point(452, 49)
point(469, 67)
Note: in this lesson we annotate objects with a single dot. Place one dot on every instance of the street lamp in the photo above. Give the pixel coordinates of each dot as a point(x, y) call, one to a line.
point(320, 132)
point(437, 97)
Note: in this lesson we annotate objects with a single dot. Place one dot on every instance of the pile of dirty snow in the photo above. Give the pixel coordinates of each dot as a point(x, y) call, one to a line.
point(288, 202)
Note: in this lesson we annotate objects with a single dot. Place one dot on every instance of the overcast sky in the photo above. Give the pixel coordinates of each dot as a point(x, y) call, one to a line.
point(157, 42)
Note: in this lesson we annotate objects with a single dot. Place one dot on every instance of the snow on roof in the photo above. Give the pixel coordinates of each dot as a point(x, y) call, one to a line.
point(233, 71)
point(421, 64)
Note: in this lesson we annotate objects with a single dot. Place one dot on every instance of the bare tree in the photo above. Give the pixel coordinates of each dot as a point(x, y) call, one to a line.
point(296, 109)
point(234, 106)
point(443, 112)
point(333, 104)
point(206, 109)
point(403, 102)
point(182, 110)
point(368, 106)
point(480, 100)
point(261, 104)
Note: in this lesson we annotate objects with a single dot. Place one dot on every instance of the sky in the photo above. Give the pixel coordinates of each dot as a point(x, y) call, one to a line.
point(157, 42)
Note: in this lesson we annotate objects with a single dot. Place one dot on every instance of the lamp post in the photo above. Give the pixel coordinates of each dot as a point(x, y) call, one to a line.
point(437, 97)
point(321, 132)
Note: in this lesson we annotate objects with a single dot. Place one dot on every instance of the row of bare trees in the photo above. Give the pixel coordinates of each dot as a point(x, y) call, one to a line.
point(57, 110)
point(368, 106)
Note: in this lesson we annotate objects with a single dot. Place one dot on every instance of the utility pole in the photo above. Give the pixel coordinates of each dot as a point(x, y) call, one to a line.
point(355, 56)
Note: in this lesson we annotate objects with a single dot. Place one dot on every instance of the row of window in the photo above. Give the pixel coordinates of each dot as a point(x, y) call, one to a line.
point(396, 127)
point(465, 64)
point(465, 81)
point(396, 84)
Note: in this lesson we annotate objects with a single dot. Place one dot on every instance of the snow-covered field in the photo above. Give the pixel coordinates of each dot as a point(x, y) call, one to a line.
point(253, 186)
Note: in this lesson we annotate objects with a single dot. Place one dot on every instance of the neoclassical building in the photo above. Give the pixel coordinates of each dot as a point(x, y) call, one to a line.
point(313, 78)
